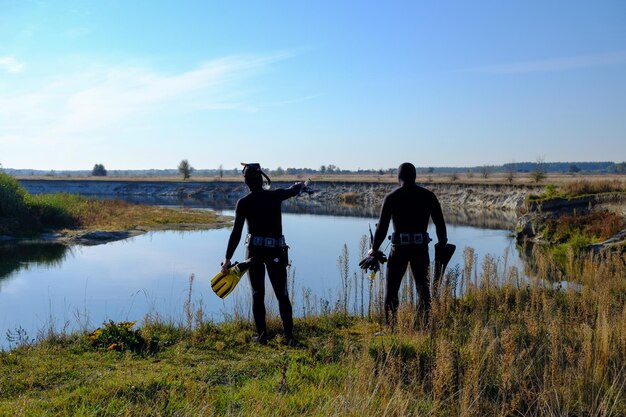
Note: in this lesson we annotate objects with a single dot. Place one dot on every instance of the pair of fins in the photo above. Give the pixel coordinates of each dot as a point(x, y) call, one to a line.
point(223, 284)
point(440, 266)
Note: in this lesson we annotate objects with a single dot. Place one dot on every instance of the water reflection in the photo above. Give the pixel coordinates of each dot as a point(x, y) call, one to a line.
point(484, 219)
point(41, 286)
point(15, 258)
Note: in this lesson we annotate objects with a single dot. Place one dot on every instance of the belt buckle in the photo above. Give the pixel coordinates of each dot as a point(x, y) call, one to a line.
point(270, 242)
point(257, 241)
point(405, 238)
point(418, 238)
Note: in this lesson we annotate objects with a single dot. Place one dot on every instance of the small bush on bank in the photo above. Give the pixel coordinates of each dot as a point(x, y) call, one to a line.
point(12, 196)
point(350, 198)
point(54, 210)
point(22, 213)
point(118, 336)
point(597, 225)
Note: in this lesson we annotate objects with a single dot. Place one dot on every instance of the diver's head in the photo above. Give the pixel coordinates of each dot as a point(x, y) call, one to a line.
point(253, 176)
point(406, 173)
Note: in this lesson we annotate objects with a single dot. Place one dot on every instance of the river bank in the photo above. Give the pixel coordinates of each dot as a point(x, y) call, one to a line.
point(507, 206)
point(467, 196)
point(67, 218)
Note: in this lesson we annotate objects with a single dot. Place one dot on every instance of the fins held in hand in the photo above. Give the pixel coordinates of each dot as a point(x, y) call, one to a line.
point(224, 283)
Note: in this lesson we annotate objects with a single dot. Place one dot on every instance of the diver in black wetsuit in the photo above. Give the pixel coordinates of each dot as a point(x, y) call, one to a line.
point(265, 243)
point(409, 207)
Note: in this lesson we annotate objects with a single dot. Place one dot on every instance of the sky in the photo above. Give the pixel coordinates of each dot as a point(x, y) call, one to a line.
point(357, 84)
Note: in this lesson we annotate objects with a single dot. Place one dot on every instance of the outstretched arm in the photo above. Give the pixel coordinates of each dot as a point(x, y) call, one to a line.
point(292, 191)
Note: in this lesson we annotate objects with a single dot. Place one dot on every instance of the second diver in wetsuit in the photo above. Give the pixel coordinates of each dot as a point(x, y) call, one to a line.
point(409, 207)
point(265, 244)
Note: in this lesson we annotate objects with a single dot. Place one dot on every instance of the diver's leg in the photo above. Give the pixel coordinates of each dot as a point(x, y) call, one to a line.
point(420, 263)
point(257, 283)
point(277, 272)
point(396, 267)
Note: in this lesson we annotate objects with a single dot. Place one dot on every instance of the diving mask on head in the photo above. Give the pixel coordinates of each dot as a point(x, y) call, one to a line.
point(254, 170)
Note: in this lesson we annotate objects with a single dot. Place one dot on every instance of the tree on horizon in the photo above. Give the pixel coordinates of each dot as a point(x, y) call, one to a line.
point(185, 169)
point(99, 171)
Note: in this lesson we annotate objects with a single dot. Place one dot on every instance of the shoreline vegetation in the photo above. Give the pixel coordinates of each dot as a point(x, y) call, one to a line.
point(542, 210)
point(70, 218)
point(500, 345)
point(582, 215)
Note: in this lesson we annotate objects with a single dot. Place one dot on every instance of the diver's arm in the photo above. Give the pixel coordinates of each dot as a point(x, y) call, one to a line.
point(235, 237)
point(440, 224)
point(382, 226)
point(292, 191)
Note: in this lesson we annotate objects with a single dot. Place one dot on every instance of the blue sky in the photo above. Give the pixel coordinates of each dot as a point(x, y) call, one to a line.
point(358, 84)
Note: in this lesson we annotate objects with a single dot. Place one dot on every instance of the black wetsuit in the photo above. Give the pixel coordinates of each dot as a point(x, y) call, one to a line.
point(409, 207)
point(261, 209)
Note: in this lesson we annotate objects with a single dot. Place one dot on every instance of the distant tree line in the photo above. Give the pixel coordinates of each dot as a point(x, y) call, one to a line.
point(509, 169)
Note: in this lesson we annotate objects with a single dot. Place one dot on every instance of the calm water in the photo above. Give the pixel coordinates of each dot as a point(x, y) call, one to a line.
point(82, 286)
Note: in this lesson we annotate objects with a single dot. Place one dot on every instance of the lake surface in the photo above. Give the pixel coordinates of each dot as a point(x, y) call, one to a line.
point(54, 287)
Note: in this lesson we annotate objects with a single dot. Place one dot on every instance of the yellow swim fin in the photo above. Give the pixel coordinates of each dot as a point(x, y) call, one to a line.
point(224, 283)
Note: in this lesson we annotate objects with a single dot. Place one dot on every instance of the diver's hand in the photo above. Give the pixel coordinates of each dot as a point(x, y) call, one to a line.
point(439, 250)
point(225, 265)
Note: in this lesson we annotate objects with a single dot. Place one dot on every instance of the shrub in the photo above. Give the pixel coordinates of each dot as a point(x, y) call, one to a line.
point(55, 210)
point(597, 225)
point(117, 336)
point(550, 191)
point(350, 198)
point(12, 196)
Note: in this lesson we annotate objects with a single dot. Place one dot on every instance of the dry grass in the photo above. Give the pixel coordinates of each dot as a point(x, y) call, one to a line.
point(596, 226)
point(119, 215)
point(505, 347)
point(519, 179)
point(582, 187)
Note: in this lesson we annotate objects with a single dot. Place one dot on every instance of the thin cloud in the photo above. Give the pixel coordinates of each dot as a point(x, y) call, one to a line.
point(11, 65)
point(102, 99)
point(556, 64)
point(130, 91)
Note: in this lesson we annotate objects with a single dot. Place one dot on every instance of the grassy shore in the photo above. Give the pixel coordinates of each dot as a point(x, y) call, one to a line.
point(582, 225)
point(503, 346)
point(23, 214)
